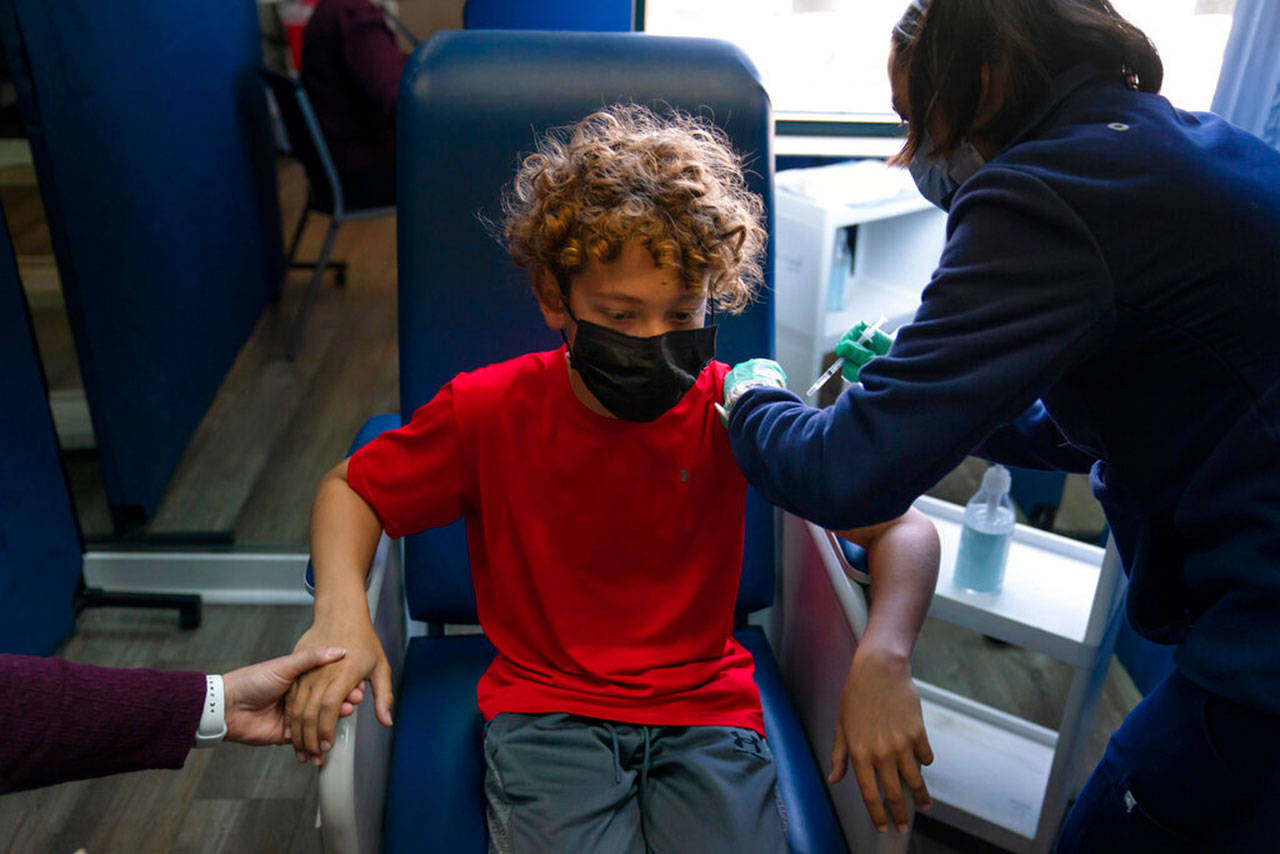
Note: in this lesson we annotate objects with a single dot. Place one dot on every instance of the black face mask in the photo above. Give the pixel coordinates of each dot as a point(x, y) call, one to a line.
point(638, 379)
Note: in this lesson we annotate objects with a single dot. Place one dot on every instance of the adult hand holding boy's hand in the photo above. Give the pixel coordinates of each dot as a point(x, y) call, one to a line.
point(316, 700)
point(880, 732)
point(255, 712)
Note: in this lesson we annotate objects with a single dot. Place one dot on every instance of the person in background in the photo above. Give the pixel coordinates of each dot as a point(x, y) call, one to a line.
point(351, 68)
point(65, 721)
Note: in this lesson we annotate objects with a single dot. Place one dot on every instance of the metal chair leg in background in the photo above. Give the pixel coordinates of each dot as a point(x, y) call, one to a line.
point(297, 236)
point(313, 289)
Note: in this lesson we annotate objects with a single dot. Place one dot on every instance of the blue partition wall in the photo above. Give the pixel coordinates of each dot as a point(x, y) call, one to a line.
point(39, 543)
point(153, 151)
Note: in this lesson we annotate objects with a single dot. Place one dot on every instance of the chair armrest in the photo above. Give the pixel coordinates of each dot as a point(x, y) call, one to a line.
point(824, 615)
point(353, 780)
point(852, 558)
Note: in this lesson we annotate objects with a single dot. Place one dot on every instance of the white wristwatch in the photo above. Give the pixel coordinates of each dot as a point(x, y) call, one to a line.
point(213, 714)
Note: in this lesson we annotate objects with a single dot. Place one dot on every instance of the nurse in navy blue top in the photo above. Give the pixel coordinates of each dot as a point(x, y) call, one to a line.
point(1108, 301)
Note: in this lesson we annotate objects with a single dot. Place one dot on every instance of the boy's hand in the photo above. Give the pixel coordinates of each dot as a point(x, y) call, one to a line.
point(747, 375)
point(316, 699)
point(255, 712)
point(880, 731)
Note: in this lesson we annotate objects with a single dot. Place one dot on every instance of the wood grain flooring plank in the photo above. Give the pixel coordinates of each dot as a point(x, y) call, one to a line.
point(209, 825)
point(264, 824)
point(350, 387)
point(24, 210)
point(262, 391)
point(85, 815)
point(153, 815)
point(236, 771)
point(306, 836)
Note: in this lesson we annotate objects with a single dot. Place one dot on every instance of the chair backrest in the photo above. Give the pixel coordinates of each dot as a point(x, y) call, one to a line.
point(306, 141)
point(598, 16)
point(471, 102)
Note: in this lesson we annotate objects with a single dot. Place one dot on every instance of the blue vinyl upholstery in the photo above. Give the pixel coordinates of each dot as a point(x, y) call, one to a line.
point(471, 103)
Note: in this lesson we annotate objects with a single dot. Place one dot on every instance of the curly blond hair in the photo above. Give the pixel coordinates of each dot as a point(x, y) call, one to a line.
point(672, 182)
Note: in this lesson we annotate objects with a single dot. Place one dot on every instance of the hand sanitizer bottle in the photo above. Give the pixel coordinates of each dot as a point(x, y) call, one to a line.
point(988, 527)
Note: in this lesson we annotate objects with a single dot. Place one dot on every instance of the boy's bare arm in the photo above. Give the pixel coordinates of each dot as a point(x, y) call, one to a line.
point(880, 729)
point(344, 536)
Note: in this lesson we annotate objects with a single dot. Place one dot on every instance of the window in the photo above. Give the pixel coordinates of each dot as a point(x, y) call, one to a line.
point(824, 60)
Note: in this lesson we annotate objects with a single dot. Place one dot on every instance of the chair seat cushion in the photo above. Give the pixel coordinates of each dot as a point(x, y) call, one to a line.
point(435, 797)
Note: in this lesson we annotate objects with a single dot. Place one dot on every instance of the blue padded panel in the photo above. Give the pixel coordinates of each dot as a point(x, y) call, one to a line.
point(436, 789)
point(470, 103)
point(39, 541)
point(586, 15)
point(151, 141)
point(435, 793)
point(811, 821)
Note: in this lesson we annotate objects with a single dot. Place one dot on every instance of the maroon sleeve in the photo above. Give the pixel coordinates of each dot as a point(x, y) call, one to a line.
point(65, 721)
point(371, 54)
point(420, 476)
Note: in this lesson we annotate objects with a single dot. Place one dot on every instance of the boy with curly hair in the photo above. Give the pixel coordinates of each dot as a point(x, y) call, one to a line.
point(604, 510)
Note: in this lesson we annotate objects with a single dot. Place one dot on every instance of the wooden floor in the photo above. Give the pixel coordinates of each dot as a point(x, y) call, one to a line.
point(275, 426)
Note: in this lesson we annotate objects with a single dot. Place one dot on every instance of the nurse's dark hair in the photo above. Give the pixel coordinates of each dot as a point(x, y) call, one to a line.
point(944, 45)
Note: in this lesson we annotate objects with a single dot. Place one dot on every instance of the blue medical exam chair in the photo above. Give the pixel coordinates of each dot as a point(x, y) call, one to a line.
point(470, 104)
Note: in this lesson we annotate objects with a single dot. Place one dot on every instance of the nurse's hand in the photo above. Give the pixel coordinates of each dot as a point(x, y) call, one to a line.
point(860, 345)
point(747, 375)
point(880, 732)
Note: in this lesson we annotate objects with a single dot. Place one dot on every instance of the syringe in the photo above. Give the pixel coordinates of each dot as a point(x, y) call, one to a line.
point(868, 334)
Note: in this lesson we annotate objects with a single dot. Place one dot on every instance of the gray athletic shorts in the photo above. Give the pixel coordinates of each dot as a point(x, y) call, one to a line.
point(562, 783)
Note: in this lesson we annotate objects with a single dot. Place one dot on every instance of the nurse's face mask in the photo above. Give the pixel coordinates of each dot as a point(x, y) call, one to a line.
point(939, 177)
point(639, 379)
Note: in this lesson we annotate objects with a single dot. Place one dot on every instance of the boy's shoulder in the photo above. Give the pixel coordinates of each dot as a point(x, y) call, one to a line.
point(496, 385)
point(501, 374)
point(711, 381)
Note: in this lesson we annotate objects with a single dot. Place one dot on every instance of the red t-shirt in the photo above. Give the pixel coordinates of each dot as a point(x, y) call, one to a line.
point(605, 554)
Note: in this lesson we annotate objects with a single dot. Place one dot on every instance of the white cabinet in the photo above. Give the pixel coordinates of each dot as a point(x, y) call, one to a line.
point(854, 241)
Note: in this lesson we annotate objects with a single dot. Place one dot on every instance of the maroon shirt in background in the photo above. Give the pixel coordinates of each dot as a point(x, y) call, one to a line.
point(351, 69)
point(63, 721)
